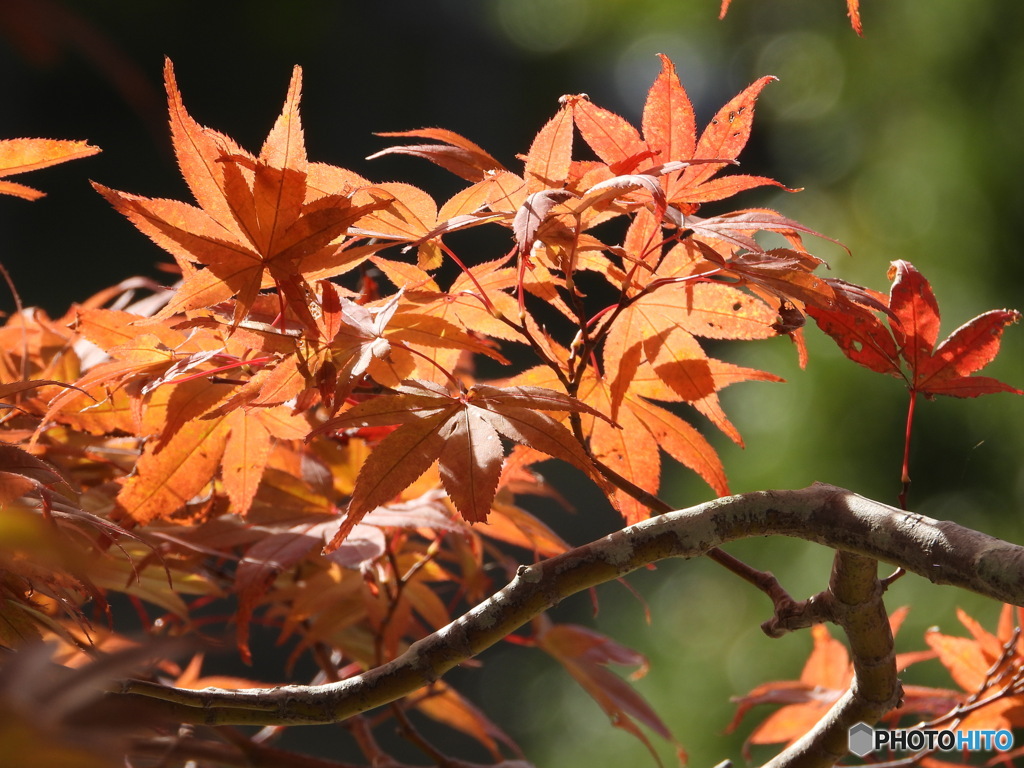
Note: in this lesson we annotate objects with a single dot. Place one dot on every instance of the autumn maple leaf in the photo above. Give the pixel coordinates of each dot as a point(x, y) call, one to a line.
point(631, 441)
point(669, 134)
point(463, 433)
point(157, 384)
point(978, 664)
point(669, 170)
point(235, 445)
point(910, 341)
point(23, 155)
point(686, 178)
point(586, 655)
point(826, 675)
point(261, 221)
point(944, 369)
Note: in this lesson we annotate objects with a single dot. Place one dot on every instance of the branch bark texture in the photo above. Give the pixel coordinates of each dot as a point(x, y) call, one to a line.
point(861, 530)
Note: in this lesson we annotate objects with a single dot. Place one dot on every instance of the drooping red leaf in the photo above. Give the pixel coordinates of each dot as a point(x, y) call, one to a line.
point(861, 336)
point(585, 654)
point(969, 348)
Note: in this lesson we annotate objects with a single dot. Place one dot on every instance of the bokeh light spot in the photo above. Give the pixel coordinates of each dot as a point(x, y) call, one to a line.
point(544, 26)
point(812, 70)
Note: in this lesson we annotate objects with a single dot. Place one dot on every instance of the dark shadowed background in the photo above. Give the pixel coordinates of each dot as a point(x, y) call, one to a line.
point(907, 142)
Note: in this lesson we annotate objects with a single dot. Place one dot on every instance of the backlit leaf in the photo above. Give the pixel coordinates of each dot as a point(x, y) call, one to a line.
point(668, 122)
point(726, 135)
point(257, 222)
point(23, 155)
point(585, 655)
point(547, 164)
point(946, 369)
point(611, 137)
point(452, 152)
point(470, 462)
point(914, 305)
point(168, 475)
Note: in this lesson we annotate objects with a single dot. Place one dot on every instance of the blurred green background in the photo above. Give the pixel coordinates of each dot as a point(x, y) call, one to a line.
point(908, 143)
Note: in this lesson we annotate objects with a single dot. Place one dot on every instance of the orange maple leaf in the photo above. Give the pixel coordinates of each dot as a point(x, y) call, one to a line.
point(631, 442)
point(978, 664)
point(23, 155)
point(232, 446)
point(444, 704)
point(260, 222)
point(826, 675)
point(669, 134)
point(586, 655)
point(463, 433)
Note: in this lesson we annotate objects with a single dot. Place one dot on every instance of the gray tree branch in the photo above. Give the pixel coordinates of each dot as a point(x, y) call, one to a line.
point(862, 531)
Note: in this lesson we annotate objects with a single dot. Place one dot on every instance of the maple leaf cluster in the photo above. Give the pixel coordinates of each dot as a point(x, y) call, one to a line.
point(298, 423)
point(987, 667)
point(303, 403)
point(278, 333)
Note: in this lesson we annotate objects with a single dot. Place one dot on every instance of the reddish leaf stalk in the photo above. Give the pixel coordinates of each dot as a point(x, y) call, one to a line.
point(447, 374)
point(905, 473)
point(483, 294)
point(220, 369)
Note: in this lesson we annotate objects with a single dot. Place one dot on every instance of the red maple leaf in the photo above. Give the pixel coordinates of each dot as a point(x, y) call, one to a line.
point(909, 348)
point(945, 369)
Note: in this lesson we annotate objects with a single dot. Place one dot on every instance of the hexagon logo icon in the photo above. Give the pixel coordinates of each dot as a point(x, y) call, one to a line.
point(861, 739)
